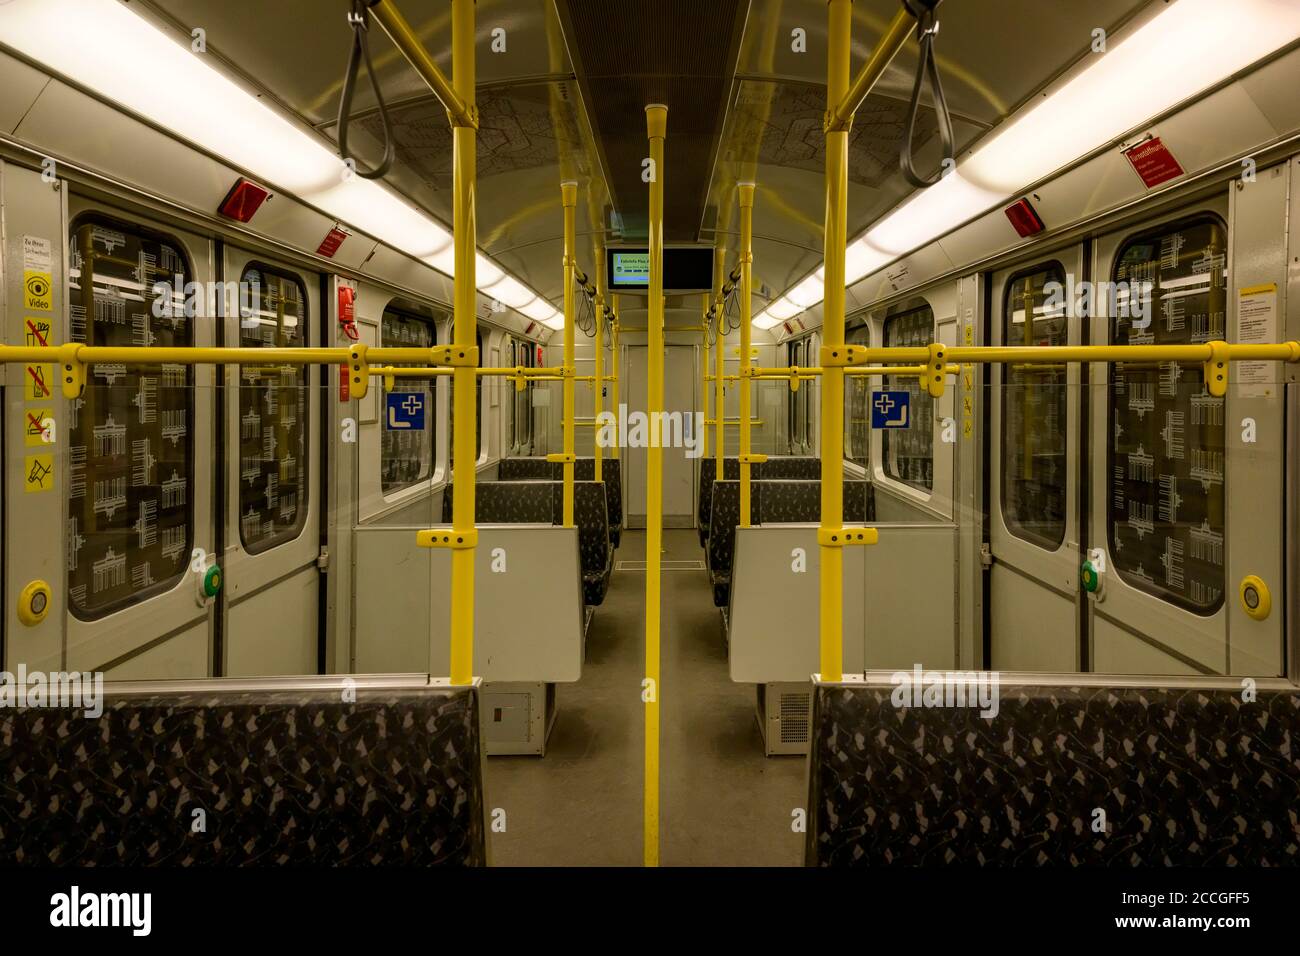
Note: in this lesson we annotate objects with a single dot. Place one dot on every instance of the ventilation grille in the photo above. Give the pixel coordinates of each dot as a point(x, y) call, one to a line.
point(794, 718)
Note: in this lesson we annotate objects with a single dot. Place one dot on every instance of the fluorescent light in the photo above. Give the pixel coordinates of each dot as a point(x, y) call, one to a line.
point(782, 309)
point(555, 322)
point(510, 291)
point(1199, 43)
point(539, 310)
point(765, 321)
point(807, 293)
point(105, 47)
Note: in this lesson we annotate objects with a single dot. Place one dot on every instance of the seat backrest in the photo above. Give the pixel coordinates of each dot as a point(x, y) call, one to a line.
point(584, 469)
point(591, 515)
point(789, 467)
point(525, 469)
point(722, 528)
point(507, 502)
point(285, 776)
point(1187, 775)
point(799, 500)
point(708, 469)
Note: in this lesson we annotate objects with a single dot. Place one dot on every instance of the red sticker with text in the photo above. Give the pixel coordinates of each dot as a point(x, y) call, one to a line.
point(1153, 162)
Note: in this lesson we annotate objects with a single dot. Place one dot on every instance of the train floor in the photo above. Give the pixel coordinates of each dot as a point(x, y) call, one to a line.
point(723, 802)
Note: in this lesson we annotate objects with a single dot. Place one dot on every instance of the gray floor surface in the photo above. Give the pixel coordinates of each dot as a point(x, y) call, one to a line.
point(723, 802)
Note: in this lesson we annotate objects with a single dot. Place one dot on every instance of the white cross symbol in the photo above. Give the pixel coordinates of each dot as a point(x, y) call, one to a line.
point(413, 405)
point(884, 403)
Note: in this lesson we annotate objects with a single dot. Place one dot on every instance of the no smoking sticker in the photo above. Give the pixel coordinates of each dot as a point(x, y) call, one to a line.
point(38, 426)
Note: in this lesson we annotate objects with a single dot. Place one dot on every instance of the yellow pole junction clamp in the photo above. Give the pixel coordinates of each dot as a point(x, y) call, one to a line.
point(34, 603)
point(445, 538)
point(752, 459)
point(843, 537)
point(936, 370)
point(1216, 370)
point(358, 371)
point(1255, 597)
point(72, 371)
point(456, 356)
point(563, 458)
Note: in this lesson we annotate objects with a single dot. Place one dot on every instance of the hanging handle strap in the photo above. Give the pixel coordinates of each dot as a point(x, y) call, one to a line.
point(359, 20)
point(927, 27)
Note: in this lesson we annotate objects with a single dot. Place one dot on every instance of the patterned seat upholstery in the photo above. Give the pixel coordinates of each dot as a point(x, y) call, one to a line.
point(708, 469)
point(506, 502)
point(722, 538)
point(285, 776)
point(526, 469)
point(611, 472)
point(1178, 770)
point(591, 515)
point(800, 501)
point(797, 468)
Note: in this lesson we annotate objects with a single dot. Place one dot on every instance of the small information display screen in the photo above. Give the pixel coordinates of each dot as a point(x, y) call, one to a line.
point(686, 269)
point(629, 269)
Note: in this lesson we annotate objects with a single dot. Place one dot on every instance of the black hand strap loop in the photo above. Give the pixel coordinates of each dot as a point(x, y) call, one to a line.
point(359, 20)
point(927, 27)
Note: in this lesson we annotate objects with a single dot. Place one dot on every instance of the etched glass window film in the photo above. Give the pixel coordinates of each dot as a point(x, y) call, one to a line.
point(406, 456)
point(131, 446)
point(1034, 412)
point(1165, 458)
point(909, 452)
point(273, 423)
point(857, 416)
point(478, 405)
point(523, 353)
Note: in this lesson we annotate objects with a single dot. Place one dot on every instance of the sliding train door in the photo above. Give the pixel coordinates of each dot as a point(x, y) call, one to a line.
point(1183, 482)
point(139, 493)
point(1034, 470)
point(272, 488)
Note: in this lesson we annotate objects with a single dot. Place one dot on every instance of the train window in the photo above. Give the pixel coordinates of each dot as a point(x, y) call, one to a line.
point(908, 453)
point(1034, 413)
point(1165, 457)
point(131, 447)
point(521, 434)
point(406, 457)
point(857, 421)
point(273, 423)
point(478, 404)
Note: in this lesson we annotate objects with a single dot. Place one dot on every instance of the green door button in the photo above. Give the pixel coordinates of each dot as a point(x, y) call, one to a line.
point(1090, 578)
point(211, 581)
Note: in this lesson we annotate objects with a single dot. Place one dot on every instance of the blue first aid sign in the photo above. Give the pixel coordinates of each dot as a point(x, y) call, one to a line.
point(405, 411)
point(890, 409)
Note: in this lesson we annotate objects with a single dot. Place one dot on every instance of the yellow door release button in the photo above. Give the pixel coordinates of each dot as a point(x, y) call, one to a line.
point(1255, 597)
point(34, 603)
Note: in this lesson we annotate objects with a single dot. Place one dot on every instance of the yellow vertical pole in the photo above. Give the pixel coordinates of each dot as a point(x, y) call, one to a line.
point(832, 416)
point(464, 378)
point(613, 359)
point(569, 197)
point(720, 359)
point(704, 375)
point(599, 373)
point(746, 384)
point(656, 129)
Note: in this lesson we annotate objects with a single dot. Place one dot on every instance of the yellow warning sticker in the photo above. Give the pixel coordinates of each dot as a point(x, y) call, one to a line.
point(38, 473)
point(38, 427)
point(38, 291)
point(966, 428)
point(38, 332)
point(38, 383)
